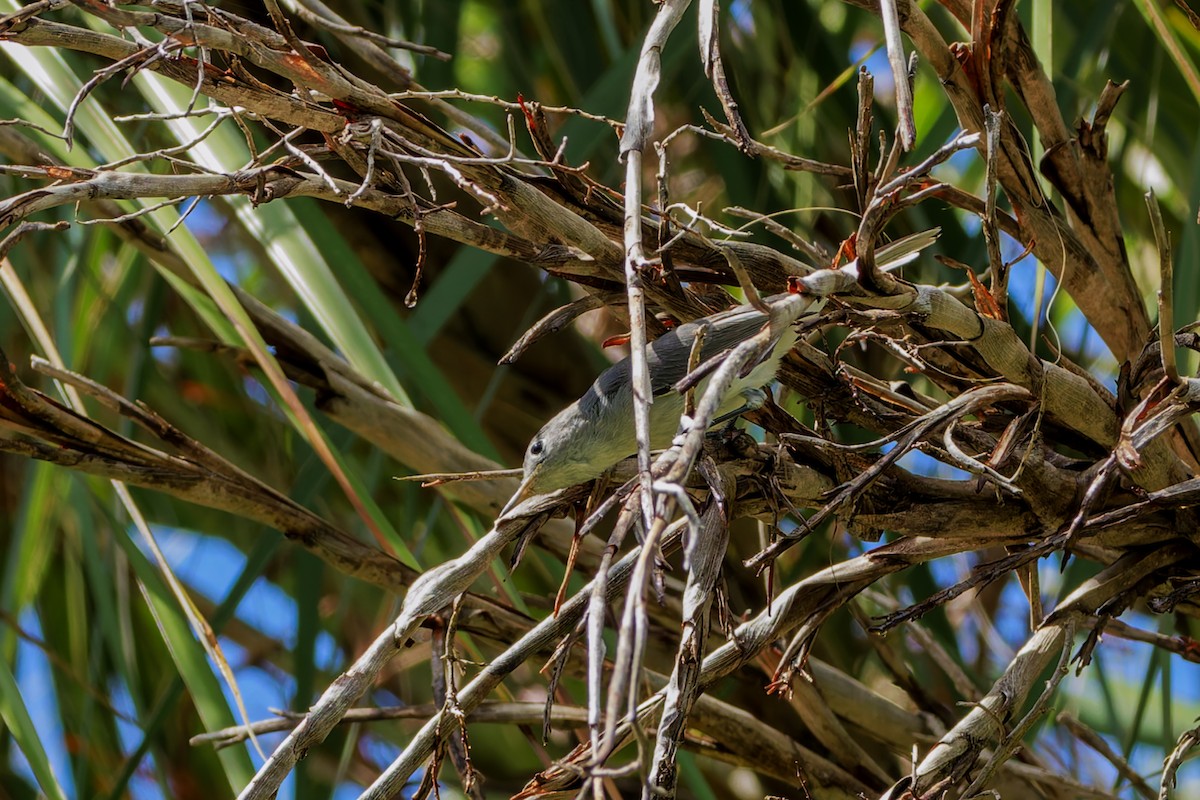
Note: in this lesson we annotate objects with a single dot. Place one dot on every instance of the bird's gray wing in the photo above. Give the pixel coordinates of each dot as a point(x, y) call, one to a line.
point(668, 354)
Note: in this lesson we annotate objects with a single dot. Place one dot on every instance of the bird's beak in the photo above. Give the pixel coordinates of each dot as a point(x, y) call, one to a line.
point(523, 493)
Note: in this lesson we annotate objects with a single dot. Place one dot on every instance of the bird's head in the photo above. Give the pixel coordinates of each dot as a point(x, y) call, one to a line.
point(563, 453)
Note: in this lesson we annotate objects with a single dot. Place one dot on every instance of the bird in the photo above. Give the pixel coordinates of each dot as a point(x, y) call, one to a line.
point(596, 431)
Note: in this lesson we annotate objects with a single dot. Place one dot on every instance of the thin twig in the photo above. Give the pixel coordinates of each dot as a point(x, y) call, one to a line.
point(906, 128)
point(1095, 741)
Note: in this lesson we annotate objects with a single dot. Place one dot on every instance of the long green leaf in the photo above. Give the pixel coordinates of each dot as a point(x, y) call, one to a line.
point(16, 717)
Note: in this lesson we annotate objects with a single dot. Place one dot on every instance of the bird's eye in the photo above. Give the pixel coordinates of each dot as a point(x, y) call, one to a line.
point(536, 447)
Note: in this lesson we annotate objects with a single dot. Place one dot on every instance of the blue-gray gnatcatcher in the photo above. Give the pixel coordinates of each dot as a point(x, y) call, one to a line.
point(596, 431)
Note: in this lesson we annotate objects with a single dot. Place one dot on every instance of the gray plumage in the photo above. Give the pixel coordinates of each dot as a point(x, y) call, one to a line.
point(596, 431)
